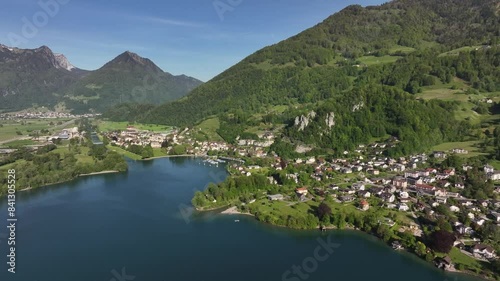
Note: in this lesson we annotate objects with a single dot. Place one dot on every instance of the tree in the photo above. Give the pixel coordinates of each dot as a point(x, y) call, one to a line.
point(442, 241)
point(147, 151)
point(323, 210)
point(420, 249)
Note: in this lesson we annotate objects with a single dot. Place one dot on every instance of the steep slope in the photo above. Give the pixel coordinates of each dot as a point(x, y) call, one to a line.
point(127, 78)
point(38, 76)
point(316, 57)
point(30, 77)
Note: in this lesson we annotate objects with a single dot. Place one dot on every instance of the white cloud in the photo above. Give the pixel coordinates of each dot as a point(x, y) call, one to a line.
point(165, 21)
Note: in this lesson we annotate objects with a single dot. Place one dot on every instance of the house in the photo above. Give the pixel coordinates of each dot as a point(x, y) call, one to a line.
point(302, 197)
point(396, 245)
point(444, 263)
point(488, 169)
point(275, 197)
point(425, 188)
point(404, 195)
point(412, 174)
point(483, 251)
point(459, 151)
point(364, 205)
point(400, 182)
point(346, 198)
point(441, 199)
point(301, 190)
point(454, 209)
point(479, 221)
point(364, 193)
point(459, 185)
point(388, 197)
point(462, 229)
point(358, 186)
point(377, 190)
point(403, 207)
point(346, 170)
point(495, 215)
point(333, 187)
point(439, 154)
point(450, 172)
point(494, 176)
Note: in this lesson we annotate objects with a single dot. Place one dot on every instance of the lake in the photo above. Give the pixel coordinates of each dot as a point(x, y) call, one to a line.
point(139, 226)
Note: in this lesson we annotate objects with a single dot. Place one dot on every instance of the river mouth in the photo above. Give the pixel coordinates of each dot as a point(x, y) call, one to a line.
point(141, 224)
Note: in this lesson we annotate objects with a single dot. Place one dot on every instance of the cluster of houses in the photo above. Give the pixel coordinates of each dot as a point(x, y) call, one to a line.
point(134, 136)
point(402, 187)
point(43, 115)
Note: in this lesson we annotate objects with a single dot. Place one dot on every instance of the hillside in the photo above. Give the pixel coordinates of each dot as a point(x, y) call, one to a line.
point(38, 76)
point(361, 65)
point(32, 76)
point(127, 78)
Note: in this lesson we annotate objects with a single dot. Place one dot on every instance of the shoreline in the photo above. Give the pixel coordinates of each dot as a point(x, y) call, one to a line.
point(234, 211)
point(99, 173)
point(171, 156)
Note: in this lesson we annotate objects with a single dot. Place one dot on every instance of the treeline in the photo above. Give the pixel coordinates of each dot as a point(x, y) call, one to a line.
point(240, 188)
point(46, 166)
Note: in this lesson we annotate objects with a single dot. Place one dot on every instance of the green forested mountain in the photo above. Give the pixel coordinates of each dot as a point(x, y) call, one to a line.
point(38, 76)
point(364, 66)
point(127, 78)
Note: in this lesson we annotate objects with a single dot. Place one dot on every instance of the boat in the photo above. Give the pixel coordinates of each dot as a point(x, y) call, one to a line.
point(236, 220)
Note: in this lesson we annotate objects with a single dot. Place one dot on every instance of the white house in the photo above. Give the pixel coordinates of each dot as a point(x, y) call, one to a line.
point(403, 207)
point(485, 251)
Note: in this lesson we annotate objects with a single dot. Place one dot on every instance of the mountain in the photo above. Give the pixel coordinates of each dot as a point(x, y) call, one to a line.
point(38, 76)
point(32, 76)
point(127, 78)
point(363, 65)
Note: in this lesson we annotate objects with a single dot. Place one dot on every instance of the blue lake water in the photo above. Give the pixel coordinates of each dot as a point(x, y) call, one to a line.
point(139, 226)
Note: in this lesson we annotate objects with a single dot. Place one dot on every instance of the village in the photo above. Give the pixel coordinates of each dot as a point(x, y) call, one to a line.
point(363, 178)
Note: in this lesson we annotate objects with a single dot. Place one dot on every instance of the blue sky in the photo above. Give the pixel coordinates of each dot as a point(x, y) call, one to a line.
point(199, 38)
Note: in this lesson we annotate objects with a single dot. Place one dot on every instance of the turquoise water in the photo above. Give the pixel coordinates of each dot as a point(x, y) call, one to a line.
point(138, 226)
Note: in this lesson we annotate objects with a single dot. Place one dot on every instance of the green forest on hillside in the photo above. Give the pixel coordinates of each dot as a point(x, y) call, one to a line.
point(325, 69)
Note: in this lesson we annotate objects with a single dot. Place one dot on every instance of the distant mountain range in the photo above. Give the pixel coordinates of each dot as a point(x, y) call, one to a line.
point(40, 77)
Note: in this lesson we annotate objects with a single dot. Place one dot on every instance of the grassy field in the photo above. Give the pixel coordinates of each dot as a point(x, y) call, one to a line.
point(124, 152)
point(401, 49)
point(460, 258)
point(105, 126)
point(158, 152)
point(18, 143)
point(457, 51)
point(371, 60)
point(467, 145)
point(208, 128)
point(9, 128)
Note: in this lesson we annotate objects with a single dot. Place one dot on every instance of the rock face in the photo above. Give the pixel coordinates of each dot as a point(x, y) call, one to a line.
point(62, 62)
point(358, 106)
point(303, 121)
point(330, 120)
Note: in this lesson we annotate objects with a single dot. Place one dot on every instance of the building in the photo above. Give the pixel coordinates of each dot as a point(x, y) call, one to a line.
point(276, 197)
point(302, 190)
point(364, 205)
point(483, 251)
